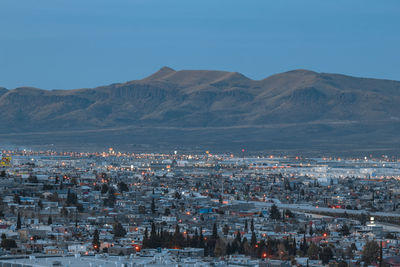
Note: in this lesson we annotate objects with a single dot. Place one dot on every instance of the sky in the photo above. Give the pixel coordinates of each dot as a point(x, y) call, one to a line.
point(67, 44)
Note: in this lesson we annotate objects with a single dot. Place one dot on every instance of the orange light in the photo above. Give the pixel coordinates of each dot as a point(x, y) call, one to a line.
point(264, 255)
point(325, 234)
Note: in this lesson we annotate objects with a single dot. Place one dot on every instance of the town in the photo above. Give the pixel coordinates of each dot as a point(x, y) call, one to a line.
point(233, 209)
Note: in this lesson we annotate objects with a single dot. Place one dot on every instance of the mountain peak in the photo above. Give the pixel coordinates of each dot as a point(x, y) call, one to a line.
point(302, 71)
point(161, 73)
point(166, 68)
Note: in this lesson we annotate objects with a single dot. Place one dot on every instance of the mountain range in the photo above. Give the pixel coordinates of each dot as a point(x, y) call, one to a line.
point(299, 110)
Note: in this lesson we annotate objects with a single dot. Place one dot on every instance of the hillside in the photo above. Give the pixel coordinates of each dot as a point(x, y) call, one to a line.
point(299, 109)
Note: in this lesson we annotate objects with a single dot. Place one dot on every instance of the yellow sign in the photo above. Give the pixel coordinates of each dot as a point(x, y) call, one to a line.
point(5, 161)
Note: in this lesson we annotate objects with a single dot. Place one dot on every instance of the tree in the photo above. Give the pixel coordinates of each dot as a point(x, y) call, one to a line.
point(274, 213)
point(289, 214)
point(142, 209)
point(122, 187)
point(18, 221)
point(153, 206)
point(119, 230)
point(17, 199)
point(246, 227)
point(345, 230)
point(326, 255)
point(32, 179)
point(53, 197)
point(252, 225)
point(220, 248)
point(349, 252)
point(96, 240)
point(370, 253)
point(110, 200)
point(40, 204)
point(225, 230)
point(312, 251)
point(8, 243)
point(177, 195)
point(253, 240)
point(363, 218)
point(64, 212)
point(195, 239)
point(201, 238)
point(215, 232)
point(167, 212)
point(104, 188)
point(178, 237)
point(50, 221)
point(146, 241)
point(72, 198)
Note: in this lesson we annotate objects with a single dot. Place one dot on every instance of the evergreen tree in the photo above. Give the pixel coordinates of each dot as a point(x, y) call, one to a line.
point(18, 221)
point(225, 230)
point(304, 245)
point(370, 253)
point(246, 227)
point(252, 225)
point(7, 244)
point(201, 238)
point(167, 212)
point(253, 240)
point(326, 255)
point(178, 237)
point(145, 241)
point(104, 188)
point(153, 206)
point(274, 213)
point(49, 221)
point(215, 232)
point(96, 240)
point(195, 239)
point(72, 199)
point(312, 251)
point(17, 199)
point(294, 246)
point(345, 230)
point(123, 187)
point(220, 248)
point(40, 204)
point(119, 230)
point(110, 200)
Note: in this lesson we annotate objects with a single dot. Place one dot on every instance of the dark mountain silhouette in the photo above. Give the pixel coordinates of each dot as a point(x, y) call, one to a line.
point(300, 109)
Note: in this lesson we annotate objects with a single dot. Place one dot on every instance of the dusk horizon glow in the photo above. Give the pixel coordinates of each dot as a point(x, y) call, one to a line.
point(75, 44)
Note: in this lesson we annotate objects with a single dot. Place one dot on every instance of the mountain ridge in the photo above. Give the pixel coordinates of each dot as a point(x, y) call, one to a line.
point(211, 100)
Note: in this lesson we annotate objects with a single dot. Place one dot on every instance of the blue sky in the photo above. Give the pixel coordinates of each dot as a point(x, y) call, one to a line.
point(57, 44)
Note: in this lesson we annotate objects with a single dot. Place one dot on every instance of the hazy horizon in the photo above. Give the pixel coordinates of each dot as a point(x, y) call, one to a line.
point(75, 44)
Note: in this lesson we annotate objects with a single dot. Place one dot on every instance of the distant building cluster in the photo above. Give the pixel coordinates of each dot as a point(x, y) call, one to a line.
point(127, 209)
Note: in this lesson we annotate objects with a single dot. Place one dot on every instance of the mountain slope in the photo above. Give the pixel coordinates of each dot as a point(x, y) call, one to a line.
point(225, 107)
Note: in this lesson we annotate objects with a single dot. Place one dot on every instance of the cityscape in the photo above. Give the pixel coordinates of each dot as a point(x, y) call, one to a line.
point(187, 133)
point(234, 209)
